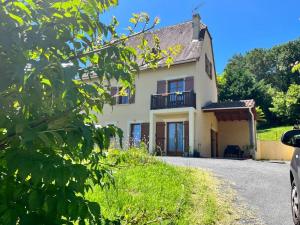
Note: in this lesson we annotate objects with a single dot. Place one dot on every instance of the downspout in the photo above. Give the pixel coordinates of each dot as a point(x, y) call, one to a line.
point(253, 131)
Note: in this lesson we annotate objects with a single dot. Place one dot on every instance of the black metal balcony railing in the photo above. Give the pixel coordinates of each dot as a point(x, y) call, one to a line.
point(173, 100)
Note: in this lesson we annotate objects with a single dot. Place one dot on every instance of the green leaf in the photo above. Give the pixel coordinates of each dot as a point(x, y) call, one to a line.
point(58, 15)
point(133, 20)
point(45, 139)
point(50, 205)
point(23, 7)
point(46, 82)
point(35, 200)
point(16, 18)
point(94, 208)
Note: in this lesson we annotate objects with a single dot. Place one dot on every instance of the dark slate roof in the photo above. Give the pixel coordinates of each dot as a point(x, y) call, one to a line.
point(230, 105)
point(181, 34)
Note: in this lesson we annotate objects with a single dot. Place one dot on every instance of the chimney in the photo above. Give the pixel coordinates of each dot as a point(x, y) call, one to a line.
point(196, 26)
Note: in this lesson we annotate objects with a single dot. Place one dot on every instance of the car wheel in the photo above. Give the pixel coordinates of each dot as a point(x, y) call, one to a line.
point(295, 204)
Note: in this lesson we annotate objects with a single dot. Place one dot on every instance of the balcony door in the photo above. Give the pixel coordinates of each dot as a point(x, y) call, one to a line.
point(175, 99)
point(176, 86)
point(175, 143)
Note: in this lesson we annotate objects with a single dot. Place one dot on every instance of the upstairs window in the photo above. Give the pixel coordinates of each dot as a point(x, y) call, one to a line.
point(124, 99)
point(208, 67)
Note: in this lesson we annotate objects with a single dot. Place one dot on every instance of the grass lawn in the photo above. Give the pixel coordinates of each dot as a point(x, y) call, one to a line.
point(148, 191)
point(272, 134)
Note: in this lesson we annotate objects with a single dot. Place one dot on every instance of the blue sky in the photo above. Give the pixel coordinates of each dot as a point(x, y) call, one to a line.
point(236, 26)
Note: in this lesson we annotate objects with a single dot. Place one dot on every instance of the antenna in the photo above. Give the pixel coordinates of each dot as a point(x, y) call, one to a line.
point(195, 10)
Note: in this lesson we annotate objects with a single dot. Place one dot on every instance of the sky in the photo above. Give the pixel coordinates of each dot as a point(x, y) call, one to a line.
point(236, 26)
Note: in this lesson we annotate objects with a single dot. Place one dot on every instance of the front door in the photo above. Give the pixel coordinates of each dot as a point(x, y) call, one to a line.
point(175, 144)
point(136, 135)
point(214, 144)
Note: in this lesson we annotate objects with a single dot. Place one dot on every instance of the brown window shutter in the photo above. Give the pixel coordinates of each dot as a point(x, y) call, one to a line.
point(189, 83)
point(132, 96)
point(145, 133)
point(160, 136)
point(206, 64)
point(161, 86)
point(208, 67)
point(186, 136)
point(130, 136)
point(113, 93)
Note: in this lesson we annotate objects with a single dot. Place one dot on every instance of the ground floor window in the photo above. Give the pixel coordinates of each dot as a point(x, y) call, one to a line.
point(136, 134)
point(175, 138)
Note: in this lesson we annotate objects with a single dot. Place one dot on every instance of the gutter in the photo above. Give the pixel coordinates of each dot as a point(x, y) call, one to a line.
point(213, 109)
point(159, 66)
point(175, 63)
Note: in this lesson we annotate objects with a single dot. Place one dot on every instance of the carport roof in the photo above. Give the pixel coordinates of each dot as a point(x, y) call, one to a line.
point(250, 103)
point(232, 110)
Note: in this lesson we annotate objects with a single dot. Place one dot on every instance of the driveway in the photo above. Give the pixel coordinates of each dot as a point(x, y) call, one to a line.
point(263, 185)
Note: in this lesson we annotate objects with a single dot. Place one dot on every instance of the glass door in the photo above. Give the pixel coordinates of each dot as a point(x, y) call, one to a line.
point(136, 134)
point(174, 88)
point(175, 138)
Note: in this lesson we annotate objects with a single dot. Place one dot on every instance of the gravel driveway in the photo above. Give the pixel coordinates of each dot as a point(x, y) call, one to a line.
point(263, 185)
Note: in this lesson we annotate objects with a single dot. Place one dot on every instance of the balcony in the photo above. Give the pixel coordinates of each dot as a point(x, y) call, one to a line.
point(173, 100)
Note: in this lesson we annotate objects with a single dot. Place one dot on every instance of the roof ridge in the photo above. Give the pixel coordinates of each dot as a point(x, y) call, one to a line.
point(174, 25)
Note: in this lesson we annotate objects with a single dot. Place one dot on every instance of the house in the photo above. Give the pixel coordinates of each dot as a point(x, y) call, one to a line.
point(176, 110)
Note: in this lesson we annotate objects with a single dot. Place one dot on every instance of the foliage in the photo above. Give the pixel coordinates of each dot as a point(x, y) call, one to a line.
point(296, 67)
point(157, 193)
point(261, 118)
point(275, 65)
point(287, 105)
point(47, 118)
point(238, 83)
point(273, 133)
point(132, 157)
point(259, 74)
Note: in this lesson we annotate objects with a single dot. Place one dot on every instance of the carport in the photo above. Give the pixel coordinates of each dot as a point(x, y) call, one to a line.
point(236, 124)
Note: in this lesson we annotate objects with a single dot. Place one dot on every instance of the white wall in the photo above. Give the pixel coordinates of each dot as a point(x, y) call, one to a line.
point(146, 84)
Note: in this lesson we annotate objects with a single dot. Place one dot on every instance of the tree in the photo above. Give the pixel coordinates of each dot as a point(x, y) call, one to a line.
point(260, 73)
point(286, 106)
point(285, 56)
point(274, 65)
point(47, 118)
point(258, 62)
point(237, 83)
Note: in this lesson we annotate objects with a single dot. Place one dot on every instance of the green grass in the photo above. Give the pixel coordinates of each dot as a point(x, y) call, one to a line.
point(148, 191)
point(272, 134)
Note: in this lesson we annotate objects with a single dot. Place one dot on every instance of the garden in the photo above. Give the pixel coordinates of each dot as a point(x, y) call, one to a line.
point(146, 190)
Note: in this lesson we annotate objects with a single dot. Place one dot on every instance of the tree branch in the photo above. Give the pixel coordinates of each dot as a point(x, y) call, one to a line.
point(112, 43)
